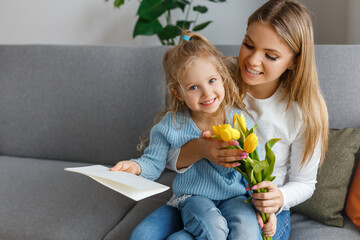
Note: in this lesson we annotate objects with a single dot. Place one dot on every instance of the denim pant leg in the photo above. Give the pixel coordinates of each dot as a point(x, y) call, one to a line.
point(158, 225)
point(241, 219)
point(203, 219)
point(181, 235)
point(282, 226)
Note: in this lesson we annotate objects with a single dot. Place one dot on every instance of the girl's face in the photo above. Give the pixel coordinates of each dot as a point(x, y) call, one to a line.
point(201, 87)
point(263, 57)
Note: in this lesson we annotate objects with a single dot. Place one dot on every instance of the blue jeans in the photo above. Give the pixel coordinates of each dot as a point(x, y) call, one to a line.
point(166, 223)
point(159, 224)
point(282, 226)
point(226, 219)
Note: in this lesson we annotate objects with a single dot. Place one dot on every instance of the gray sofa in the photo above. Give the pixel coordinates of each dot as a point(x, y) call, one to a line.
point(69, 106)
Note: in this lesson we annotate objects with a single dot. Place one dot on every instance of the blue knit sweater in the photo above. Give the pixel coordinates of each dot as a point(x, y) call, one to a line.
point(204, 178)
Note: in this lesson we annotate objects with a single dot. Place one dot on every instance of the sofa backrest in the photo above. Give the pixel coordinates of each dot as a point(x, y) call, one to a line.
point(78, 103)
point(92, 103)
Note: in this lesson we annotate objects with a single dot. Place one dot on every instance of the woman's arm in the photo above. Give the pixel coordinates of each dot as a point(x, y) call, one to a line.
point(211, 149)
point(301, 184)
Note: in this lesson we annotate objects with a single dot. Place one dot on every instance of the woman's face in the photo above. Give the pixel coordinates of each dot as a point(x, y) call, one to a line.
point(263, 57)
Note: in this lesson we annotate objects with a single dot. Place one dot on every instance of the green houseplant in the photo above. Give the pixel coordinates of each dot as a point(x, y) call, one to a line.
point(150, 11)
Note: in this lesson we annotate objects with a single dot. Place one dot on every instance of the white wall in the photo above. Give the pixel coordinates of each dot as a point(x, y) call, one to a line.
point(96, 22)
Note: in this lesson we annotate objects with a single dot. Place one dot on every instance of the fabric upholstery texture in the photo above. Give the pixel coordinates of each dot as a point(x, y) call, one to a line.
point(85, 104)
point(333, 178)
point(69, 106)
point(352, 207)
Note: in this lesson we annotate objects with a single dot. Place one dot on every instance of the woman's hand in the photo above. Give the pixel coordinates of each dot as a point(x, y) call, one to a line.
point(269, 229)
point(127, 166)
point(269, 202)
point(211, 149)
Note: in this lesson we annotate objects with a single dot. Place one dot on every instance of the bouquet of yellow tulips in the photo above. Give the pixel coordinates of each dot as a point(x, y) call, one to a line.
point(252, 168)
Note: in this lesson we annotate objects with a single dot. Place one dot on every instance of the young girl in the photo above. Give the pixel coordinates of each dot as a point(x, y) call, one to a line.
point(276, 67)
point(202, 94)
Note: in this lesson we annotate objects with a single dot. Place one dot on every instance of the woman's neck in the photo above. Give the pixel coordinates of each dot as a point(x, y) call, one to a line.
point(265, 90)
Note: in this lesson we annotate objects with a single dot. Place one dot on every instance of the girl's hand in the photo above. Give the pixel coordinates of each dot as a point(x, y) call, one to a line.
point(214, 150)
point(269, 229)
point(268, 202)
point(127, 166)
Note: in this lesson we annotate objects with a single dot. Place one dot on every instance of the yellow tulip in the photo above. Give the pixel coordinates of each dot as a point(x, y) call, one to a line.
point(225, 134)
point(216, 130)
point(235, 134)
point(235, 117)
point(251, 142)
point(243, 121)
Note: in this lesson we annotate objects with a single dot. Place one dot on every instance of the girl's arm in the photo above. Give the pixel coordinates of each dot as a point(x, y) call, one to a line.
point(127, 166)
point(208, 148)
point(152, 163)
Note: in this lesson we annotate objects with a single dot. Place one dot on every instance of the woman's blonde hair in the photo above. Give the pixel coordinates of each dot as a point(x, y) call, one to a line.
point(292, 22)
point(178, 58)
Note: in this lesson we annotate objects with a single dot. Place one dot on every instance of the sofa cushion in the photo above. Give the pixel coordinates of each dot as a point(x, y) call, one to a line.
point(333, 178)
point(39, 200)
point(142, 209)
point(303, 228)
point(352, 207)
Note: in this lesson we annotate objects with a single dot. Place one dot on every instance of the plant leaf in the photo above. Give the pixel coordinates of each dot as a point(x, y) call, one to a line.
point(184, 24)
point(253, 129)
point(249, 200)
point(200, 9)
point(118, 3)
point(270, 156)
point(201, 26)
point(243, 174)
point(147, 28)
point(169, 32)
point(259, 166)
point(180, 4)
point(152, 9)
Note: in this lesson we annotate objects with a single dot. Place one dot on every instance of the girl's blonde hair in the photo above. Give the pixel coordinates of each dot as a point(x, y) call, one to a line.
point(178, 58)
point(176, 61)
point(292, 22)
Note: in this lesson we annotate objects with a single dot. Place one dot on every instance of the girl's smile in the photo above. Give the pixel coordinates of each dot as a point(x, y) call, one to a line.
point(208, 103)
point(201, 88)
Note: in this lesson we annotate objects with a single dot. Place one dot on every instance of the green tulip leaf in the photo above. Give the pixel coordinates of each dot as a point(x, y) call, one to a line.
point(252, 177)
point(243, 174)
point(144, 27)
point(200, 9)
point(201, 26)
point(259, 166)
point(249, 200)
point(272, 178)
point(255, 156)
point(270, 156)
point(252, 130)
